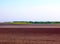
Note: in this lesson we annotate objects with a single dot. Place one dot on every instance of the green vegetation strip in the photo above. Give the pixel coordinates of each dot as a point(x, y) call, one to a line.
point(29, 22)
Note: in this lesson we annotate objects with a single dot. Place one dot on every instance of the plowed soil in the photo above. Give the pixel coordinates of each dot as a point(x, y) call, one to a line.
point(29, 35)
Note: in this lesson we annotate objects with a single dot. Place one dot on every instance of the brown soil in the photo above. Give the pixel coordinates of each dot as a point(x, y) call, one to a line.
point(29, 25)
point(29, 35)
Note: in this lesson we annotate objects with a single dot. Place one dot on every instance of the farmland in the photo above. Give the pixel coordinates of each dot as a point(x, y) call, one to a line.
point(9, 38)
point(29, 35)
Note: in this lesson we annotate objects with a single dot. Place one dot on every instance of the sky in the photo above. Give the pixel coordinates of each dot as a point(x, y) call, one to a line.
point(29, 10)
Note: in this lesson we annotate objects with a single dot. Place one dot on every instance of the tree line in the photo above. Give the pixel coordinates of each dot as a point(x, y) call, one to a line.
point(30, 22)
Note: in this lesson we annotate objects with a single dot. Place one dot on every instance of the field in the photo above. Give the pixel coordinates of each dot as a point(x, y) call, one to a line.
point(29, 35)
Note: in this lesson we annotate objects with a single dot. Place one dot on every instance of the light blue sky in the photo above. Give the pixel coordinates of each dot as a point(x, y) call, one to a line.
point(29, 10)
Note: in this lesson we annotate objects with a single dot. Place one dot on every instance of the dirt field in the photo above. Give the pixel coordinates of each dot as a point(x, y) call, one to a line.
point(29, 25)
point(29, 35)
